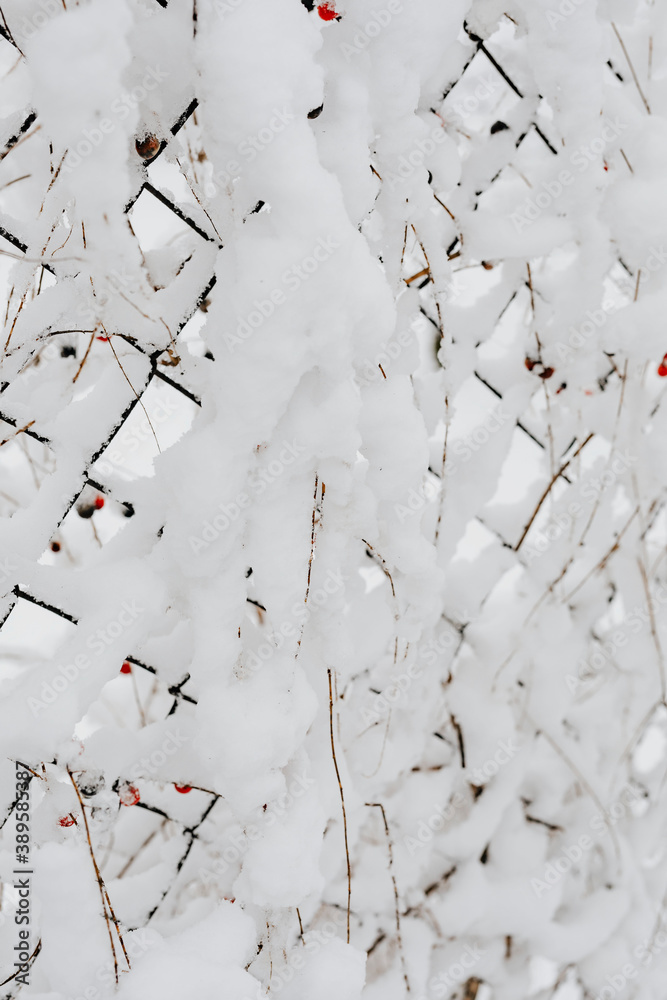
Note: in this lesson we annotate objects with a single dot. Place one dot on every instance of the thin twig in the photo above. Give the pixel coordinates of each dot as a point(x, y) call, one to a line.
point(342, 802)
point(603, 562)
point(556, 476)
point(378, 805)
point(107, 908)
point(632, 68)
point(84, 359)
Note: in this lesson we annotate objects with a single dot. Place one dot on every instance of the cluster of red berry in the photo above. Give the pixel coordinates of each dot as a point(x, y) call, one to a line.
point(128, 794)
point(327, 11)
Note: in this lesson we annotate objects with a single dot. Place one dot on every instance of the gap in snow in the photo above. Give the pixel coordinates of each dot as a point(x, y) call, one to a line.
point(30, 634)
point(132, 452)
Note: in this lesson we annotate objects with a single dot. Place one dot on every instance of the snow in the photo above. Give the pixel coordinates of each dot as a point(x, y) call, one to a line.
point(354, 382)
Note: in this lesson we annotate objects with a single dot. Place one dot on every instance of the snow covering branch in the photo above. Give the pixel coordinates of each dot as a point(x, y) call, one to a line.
point(332, 499)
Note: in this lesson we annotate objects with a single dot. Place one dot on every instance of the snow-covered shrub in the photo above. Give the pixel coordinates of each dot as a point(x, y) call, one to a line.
point(332, 485)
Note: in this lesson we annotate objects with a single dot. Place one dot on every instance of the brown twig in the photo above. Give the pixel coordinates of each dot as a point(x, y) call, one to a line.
point(19, 431)
point(313, 539)
point(556, 476)
point(342, 802)
point(378, 805)
point(300, 927)
point(632, 68)
point(139, 399)
point(385, 570)
point(627, 161)
point(603, 562)
point(107, 908)
point(585, 785)
point(84, 359)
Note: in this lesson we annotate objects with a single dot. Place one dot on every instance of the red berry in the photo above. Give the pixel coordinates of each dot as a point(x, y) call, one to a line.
point(662, 369)
point(99, 503)
point(183, 789)
point(105, 339)
point(327, 11)
point(147, 146)
point(129, 795)
point(126, 668)
point(67, 821)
